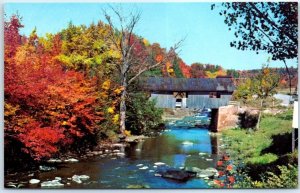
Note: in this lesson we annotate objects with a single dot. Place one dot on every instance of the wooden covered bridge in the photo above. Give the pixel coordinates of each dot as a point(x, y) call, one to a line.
point(190, 93)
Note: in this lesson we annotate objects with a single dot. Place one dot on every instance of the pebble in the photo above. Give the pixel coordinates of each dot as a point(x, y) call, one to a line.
point(46, 168)
point(121, 154)
point(72, 160)
point(78, 178)
point(34, 181)
point(54, 161)
point(159, 163)
point(52, 183)
point(187, 143)
point(144, 168)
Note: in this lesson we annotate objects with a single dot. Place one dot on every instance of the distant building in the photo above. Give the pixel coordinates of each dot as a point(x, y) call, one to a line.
point(189, 92)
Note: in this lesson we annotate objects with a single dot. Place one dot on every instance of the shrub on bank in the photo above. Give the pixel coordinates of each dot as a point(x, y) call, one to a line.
point(142, 115)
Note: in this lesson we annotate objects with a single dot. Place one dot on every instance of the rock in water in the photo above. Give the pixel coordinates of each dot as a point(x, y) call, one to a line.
point(46, 168)
point(132, 186)
point(159, 163)
point(144, 168)
point(78, 178)
point(120, 154)
point(34, 181)
point(179, 175)
point(54, 161)
point(195, 169)
point(187, 143)
point(57, 178)
point(52, 184)
point(72, 160)
point(84, 177)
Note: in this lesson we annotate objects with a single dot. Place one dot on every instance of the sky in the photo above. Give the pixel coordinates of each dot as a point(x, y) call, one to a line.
point(206, 37)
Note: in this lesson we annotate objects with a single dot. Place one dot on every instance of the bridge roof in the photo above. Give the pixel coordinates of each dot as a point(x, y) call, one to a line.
point(224, 84)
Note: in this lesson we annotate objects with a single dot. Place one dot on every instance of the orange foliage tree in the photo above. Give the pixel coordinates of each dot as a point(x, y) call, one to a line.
point(46, 108)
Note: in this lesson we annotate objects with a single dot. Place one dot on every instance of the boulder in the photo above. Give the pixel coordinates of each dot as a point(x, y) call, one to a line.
point(204, 173)
point(179, 175)
point(57, 178)
point(195, 169)
point(207, 173)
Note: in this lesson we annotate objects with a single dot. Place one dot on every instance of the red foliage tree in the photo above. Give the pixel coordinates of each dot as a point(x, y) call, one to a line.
point(185, 69)
point(46, 108)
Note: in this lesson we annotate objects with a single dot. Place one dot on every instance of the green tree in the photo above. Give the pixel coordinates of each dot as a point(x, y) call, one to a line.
point(142, 115)
point(177, 70)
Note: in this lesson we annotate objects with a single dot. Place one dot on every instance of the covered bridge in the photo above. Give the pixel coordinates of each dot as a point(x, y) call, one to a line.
point(189, 92)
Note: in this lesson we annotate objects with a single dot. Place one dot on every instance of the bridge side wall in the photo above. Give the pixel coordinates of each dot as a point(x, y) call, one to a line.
point(201, 100)
point(164, 100)
point(194, 100)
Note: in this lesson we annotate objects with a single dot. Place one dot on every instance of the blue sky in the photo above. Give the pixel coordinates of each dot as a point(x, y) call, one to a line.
point(206, 36)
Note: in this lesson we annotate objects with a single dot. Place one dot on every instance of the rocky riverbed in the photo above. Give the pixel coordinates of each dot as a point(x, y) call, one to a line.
point(178, 158)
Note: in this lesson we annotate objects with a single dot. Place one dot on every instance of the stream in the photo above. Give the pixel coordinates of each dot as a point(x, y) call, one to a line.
point(175, 147)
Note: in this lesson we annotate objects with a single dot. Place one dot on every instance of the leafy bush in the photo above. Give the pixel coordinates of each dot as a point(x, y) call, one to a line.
point(287, 178)
point(142, 115)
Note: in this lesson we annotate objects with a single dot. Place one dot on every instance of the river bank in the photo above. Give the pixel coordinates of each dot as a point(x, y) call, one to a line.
point(263, 151)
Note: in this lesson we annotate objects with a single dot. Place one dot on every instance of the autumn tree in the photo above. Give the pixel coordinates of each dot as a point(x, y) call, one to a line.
point(264, 85)
point(47, 109)
point(243, 90)
point(123, 39)
point(264, 26)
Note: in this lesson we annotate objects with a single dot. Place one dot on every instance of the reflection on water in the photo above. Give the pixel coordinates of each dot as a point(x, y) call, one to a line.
point(177, 147)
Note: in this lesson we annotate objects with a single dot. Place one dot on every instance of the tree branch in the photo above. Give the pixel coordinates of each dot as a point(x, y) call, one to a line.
point(260, 14)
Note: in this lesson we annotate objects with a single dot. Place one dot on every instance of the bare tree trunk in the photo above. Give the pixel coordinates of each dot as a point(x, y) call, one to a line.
point(122, 112)
point(123, 106)
point(259, 116)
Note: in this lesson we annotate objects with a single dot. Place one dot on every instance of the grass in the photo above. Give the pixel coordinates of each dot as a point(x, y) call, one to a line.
point(250, 145)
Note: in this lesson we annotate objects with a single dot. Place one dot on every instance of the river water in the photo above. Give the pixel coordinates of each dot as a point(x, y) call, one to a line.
point(176, 147)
